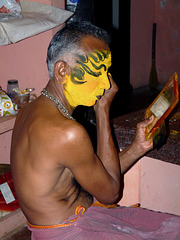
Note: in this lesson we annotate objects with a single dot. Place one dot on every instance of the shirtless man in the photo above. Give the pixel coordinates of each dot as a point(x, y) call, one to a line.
point(53, 163)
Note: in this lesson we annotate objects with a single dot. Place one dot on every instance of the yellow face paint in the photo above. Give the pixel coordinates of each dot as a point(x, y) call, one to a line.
point(88, 79)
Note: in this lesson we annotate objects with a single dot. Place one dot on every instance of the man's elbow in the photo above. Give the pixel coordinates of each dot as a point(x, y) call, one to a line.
point(112, 196)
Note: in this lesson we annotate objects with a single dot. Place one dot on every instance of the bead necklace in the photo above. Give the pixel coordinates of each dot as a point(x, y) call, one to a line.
point(59, 105)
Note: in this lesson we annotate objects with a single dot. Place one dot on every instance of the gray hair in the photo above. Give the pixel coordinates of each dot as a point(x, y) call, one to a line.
point(67, 40)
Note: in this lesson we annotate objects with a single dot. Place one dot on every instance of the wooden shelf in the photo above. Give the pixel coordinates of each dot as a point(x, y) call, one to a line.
point(36, 18)
point(6, 123)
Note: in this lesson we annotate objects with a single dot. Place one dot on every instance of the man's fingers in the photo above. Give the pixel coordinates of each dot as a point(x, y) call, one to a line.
point(112, 83)
point(146, 122)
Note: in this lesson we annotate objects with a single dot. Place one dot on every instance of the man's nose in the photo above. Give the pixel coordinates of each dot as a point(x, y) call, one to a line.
point(105, 83)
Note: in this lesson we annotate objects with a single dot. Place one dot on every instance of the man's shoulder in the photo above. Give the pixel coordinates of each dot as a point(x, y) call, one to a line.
point(72, 131)
point(62, 130)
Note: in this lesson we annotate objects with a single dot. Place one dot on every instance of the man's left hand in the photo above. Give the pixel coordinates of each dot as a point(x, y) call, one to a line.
point(141, 145)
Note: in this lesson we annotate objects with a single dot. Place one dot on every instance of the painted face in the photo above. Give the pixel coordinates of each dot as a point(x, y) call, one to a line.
point(88, 79)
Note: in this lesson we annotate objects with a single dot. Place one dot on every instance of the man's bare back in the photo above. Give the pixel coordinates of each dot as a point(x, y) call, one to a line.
point(47, 191)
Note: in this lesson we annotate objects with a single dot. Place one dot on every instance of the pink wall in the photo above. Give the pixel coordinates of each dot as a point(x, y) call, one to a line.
point(168, 38)
point(154, 184)
point(140, 58)
point(166, 14)
point(132, 183)
point(26, 60)
point(160, 184)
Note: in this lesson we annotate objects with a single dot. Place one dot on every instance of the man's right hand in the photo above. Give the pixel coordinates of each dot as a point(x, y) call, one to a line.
point(107, 98)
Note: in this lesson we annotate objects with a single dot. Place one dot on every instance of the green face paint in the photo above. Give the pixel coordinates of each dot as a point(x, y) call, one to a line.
point(88, 79)
point(90, 64)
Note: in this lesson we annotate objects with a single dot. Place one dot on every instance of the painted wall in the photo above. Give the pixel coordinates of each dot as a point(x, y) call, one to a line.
point(166, 13)
point(159, 187)
point(26, 60)
point(154, 184)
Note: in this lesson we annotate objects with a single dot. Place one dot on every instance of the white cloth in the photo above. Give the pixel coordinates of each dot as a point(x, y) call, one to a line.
point(37, 18)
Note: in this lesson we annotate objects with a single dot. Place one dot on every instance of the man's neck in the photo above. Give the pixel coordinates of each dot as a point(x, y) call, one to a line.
point(58, 91)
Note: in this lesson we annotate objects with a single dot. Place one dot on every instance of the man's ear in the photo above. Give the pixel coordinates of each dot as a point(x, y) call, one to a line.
point(60, 71)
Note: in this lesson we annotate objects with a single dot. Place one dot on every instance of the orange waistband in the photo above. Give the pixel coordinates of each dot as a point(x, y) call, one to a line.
point(79, 212)
point(98, 204)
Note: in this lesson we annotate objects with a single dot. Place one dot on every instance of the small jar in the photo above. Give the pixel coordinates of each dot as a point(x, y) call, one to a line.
point(12, 84)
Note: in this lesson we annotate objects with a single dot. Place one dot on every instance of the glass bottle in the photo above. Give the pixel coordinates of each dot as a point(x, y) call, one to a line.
point(12, 84)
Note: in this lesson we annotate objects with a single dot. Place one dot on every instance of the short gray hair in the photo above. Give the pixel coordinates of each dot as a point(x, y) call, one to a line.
point(67, 40)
